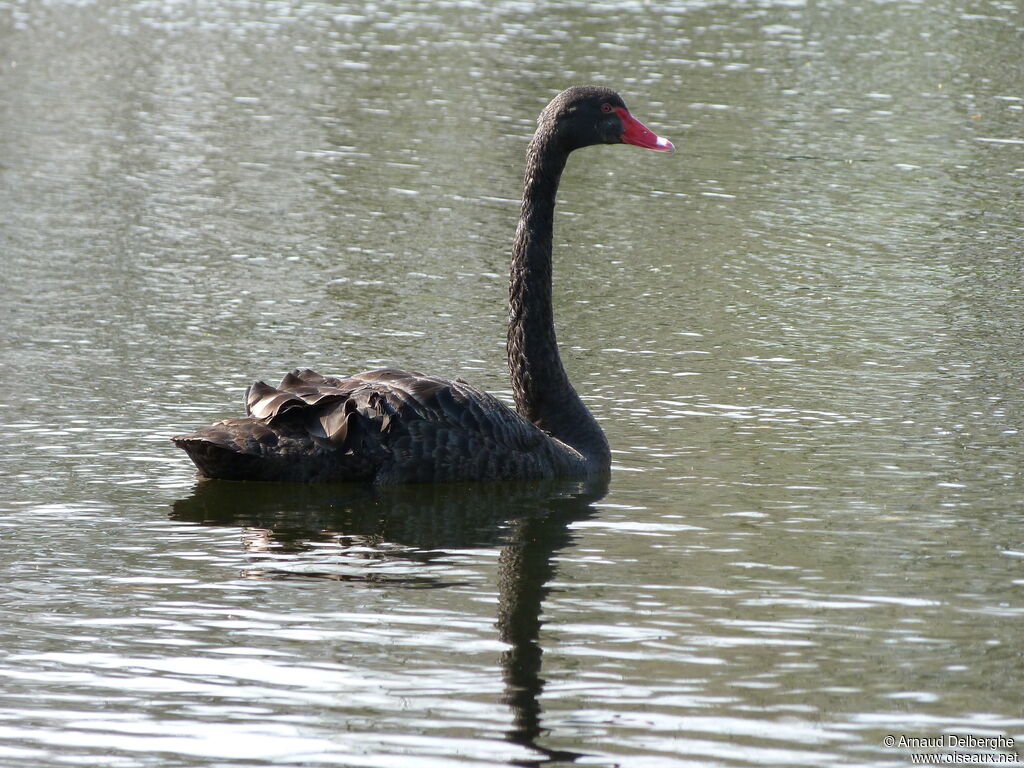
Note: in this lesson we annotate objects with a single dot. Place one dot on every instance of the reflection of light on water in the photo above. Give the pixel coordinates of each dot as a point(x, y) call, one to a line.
point(250, 689)
point(258, 540)
point(349, 558)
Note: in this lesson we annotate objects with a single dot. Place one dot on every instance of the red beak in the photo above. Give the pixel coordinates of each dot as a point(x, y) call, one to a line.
point(639, 134)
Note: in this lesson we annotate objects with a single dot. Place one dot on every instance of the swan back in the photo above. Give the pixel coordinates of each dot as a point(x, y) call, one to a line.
point(384, 426)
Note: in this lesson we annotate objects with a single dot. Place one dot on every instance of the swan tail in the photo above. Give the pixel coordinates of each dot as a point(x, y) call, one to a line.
point(214, 457)
point(310, 428)
point(252, 449)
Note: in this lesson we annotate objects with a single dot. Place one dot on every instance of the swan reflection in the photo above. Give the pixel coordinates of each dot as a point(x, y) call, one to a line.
point(410, 536)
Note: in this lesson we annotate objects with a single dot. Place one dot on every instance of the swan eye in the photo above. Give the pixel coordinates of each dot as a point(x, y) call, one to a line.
point(606, 108)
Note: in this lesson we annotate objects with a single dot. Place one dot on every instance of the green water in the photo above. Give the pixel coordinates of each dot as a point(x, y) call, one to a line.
point(802, 333)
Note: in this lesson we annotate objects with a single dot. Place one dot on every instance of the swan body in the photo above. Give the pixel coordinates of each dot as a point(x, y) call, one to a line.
point(384, 426)
point(392, 426)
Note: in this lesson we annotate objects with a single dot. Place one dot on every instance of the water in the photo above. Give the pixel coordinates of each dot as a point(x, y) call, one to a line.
point(801, 333)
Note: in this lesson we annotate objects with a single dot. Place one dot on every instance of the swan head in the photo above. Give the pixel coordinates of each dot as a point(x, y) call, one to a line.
point(589, 114)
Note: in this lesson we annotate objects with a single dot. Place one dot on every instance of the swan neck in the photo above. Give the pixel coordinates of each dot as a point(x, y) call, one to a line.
point(540, 385)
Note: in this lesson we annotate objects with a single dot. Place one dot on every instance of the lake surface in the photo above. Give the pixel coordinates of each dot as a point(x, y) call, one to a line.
point(802, 333)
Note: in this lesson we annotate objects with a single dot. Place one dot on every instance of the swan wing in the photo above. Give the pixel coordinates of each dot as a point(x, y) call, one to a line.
point(384, 425)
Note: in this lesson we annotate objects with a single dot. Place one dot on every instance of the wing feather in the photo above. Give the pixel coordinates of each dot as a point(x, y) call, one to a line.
point(386, 425)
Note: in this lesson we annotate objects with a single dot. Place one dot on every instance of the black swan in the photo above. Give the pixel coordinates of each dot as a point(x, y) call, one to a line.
point(390, 426)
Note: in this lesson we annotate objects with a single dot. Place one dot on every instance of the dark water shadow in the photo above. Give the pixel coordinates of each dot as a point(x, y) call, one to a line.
point(395, 535)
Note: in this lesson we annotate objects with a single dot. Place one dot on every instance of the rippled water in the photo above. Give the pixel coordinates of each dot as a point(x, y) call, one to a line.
point(802, 334)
